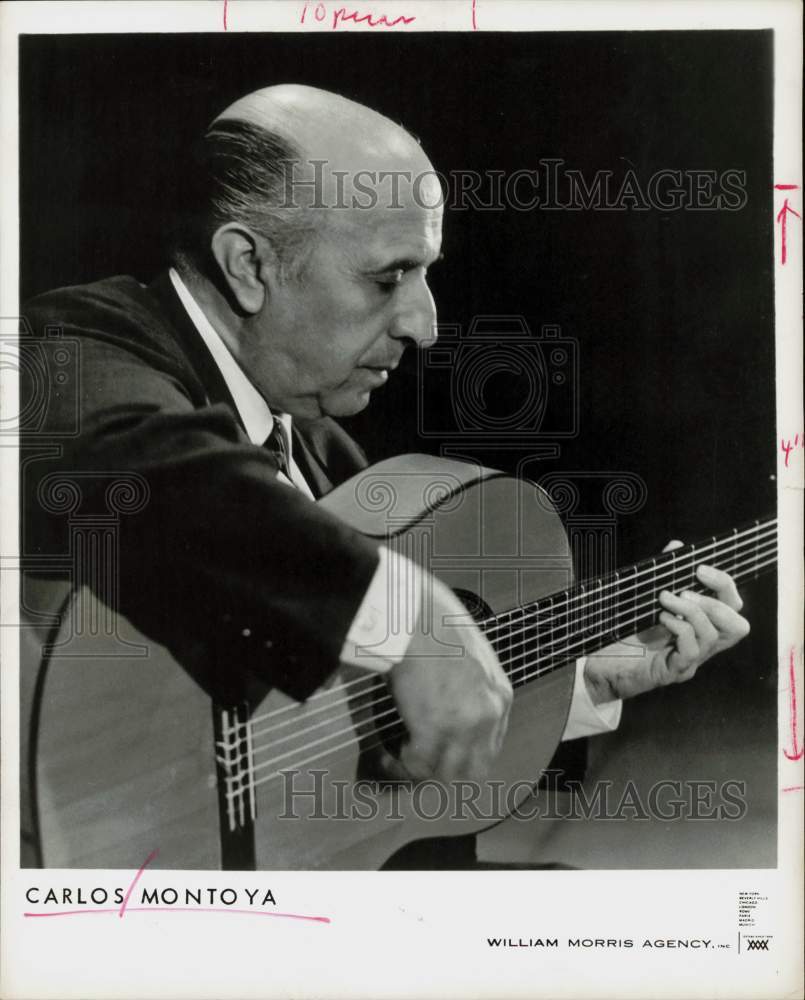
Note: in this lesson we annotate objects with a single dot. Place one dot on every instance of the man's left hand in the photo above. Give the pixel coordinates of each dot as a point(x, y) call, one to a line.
point(693, 627)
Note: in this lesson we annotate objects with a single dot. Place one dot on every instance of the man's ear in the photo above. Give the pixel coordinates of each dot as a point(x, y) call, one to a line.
point(243, 258)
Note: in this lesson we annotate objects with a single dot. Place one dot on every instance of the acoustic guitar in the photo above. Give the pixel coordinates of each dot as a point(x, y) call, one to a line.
point(124, 753)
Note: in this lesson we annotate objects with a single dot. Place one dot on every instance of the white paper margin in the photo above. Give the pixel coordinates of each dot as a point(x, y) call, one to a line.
point(421, 934)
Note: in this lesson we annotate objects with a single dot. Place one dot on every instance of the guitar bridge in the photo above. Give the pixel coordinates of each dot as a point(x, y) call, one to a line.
point(234, 759)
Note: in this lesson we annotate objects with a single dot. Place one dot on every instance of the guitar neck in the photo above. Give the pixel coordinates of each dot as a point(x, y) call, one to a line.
point(537, 638)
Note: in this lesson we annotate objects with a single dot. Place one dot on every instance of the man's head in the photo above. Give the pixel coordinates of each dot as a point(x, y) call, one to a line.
point(322, 219)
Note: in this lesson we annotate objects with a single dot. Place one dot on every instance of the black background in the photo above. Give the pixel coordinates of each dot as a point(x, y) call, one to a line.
point(672, 311)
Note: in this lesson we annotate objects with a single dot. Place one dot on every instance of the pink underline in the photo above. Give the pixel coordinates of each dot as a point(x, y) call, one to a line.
point(183, 909)
point(794, 788)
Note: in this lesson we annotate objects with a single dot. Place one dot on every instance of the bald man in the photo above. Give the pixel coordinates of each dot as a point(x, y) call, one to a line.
point(296, 285)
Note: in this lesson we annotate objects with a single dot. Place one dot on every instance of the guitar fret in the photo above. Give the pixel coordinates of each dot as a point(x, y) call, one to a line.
point(508, 634)
point(548, 633)
point(583, 625)
point(757, 534)
point(613, 618)
point(735, 546)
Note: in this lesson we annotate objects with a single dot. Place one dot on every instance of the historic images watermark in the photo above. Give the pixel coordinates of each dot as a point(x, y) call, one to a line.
point(548, 185)
point(313, 795)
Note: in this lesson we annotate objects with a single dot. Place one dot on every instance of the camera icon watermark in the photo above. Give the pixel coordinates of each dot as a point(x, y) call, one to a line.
point(498, 380)
point(47, 370)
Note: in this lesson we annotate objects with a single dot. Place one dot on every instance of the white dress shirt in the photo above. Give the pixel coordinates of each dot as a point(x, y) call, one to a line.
point(370, 643)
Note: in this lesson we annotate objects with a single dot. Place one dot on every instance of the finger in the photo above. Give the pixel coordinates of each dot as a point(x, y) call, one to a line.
point(722, 584)
point(394, 769)
point(673, 544)
point(654, 638)
point(416, 765)
point(502, 728)
point(680, 670)
point(686, 643)
point(694, 614)
point(457, 763)
point(724, 618)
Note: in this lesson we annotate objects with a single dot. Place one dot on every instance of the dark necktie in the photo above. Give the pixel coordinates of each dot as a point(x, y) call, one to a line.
point(277, 445)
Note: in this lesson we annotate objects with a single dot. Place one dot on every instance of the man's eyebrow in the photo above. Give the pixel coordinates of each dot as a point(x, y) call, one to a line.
point(403, 264)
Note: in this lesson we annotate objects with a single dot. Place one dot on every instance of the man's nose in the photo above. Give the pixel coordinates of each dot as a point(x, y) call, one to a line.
point(415, 318)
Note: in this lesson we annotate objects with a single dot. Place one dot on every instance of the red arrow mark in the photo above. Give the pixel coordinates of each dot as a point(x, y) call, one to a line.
point(782, 219)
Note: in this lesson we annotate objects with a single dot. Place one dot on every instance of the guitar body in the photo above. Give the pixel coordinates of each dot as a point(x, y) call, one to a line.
point(126, 754)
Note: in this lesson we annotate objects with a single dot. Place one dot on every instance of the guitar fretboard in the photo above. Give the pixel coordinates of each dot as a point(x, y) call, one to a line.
point(537, 638)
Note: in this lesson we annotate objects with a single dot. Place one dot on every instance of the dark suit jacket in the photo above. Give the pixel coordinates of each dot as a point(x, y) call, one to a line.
point(236, 573)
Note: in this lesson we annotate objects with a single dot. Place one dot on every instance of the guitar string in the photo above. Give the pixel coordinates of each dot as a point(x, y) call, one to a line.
point(541, 657)
point(628, 614)
point(543, 653)
point(675, 565)
point(654, 585)
point(692, 556)
point(650, 588)
point(536, 633)
point(250, 785)
point(536, 636)
point(559, 613)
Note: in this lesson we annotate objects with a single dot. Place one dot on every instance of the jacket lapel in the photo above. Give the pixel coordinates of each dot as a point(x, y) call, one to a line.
point(310, 465)
point(193, 347)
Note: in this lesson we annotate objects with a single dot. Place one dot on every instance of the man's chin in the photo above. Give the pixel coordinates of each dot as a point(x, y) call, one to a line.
point(345, 404)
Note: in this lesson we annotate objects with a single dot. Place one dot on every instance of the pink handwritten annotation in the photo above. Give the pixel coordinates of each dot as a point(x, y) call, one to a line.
point(334, 17)
point(787, 445)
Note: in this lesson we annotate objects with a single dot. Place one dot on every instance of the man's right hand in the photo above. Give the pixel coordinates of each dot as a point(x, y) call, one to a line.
point(452, 694)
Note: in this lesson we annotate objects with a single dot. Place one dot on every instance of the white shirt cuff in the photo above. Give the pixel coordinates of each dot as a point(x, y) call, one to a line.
point(381, 630)
point(585, 718)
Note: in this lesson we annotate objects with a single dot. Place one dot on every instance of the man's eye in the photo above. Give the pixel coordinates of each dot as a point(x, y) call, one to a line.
point(391, 280)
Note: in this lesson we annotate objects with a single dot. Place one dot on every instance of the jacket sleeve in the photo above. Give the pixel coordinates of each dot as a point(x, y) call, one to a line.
point(233, 571)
